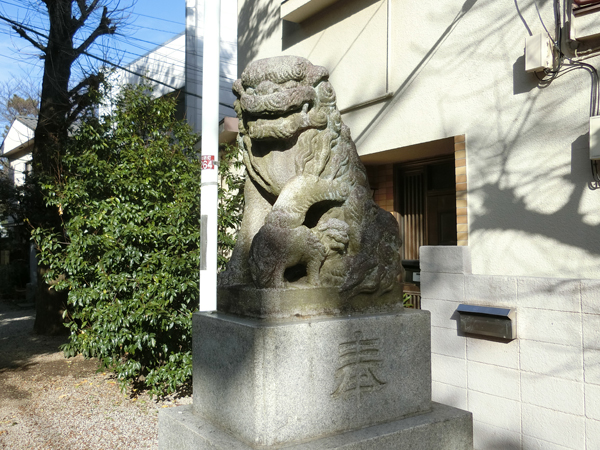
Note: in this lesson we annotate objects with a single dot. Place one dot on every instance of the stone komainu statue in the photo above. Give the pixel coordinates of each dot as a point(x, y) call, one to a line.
point(309, 219)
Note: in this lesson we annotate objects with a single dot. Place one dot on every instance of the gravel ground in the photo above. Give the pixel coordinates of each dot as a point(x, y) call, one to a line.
point(48, 401)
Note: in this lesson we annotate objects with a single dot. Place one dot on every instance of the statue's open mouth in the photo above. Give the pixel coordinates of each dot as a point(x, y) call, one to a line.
point(260, 149)
point(284, 127)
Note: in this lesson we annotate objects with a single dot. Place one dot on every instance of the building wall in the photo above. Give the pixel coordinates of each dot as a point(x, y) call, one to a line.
point(539, 391)
point(19, 166)
point(453, 68)
point(163, 68)
point(17, 147)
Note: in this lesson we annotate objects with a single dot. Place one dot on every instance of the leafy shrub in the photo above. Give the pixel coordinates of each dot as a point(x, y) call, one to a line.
point(231, 202)
point(129, 246)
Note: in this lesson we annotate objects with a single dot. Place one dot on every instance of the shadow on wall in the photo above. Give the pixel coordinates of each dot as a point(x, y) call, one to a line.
point(258, 22)
point(523, 82)
point(512, 210)
point(503, 444)
point(516, 193)
point(293, 33)
point(546, 198)
point(466, 7)
point(519, 189)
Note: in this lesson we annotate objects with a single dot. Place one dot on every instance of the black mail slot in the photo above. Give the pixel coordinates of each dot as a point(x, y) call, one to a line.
point(487, 321)
point(412, 272)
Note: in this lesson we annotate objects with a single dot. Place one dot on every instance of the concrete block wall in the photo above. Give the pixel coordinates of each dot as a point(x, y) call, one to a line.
point(540, 391)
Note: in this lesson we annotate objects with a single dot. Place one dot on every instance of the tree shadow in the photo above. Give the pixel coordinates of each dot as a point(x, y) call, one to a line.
point(466, 7)
point(23, 353)
point(255, 24)
point(20, 346)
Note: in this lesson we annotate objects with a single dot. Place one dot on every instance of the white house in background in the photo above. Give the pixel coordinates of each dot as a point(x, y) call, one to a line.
point(17, 147)
point(164, 67)
point(15, 153)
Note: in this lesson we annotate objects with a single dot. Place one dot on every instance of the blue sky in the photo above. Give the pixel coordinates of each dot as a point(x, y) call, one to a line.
point(148, 23)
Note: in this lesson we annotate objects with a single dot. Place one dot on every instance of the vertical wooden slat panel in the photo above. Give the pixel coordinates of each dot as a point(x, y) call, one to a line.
point(413, 215)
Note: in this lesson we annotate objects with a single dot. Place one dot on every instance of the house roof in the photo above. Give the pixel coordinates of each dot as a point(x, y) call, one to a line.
point(20, 136)
point(29, 122)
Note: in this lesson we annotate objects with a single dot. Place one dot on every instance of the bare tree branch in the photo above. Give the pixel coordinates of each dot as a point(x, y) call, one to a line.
point(21, 32)
point(90, 80)
point(18, 97)
point(85, 12)
point(103, 28)
point(80, 103)
point(81, 100)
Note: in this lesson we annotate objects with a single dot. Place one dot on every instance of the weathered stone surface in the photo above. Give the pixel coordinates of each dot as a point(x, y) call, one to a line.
point(444, 428)
point(310, 347)
point(309, 219)
point(275, 382)
point(249, 301)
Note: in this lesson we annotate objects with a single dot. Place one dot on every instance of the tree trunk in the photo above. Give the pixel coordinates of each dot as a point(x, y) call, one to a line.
point(49, 308)
point(52, 128)
point(50, 139)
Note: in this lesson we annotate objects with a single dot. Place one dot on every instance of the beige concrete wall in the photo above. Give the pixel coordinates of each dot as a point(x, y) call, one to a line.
point(456, 67)
point(538, 391)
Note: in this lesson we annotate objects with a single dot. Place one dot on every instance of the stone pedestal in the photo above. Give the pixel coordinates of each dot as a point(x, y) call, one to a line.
point(359, 381)
point(270, 383)
point(443, 428)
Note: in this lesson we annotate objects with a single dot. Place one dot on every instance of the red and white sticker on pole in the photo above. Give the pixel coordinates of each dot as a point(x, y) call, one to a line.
point(208, 162)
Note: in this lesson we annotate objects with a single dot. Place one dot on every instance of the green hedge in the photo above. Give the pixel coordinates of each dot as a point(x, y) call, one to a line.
point(129, 246)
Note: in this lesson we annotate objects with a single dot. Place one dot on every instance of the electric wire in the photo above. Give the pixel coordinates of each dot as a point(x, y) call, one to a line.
point(158, 60)
point(174, 63)
point(549, 75)
point(564, 65)
point(158, 18)
point(105, 61)
point(157, 44)
point(541, 20)
point(135, 26)
point(124, 40)
point(18, 60)
point(130, 13)
point(148, 78)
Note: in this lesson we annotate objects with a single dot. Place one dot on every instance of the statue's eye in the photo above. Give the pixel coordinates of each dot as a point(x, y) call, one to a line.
point(250, 91)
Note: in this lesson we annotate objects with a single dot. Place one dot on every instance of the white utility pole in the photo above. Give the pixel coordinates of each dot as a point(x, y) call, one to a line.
point(210, 154)
point(194, 23)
